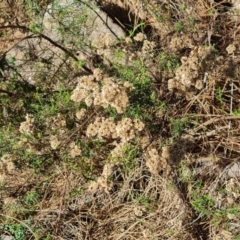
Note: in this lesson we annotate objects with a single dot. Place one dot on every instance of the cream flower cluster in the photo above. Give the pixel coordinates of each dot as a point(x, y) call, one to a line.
point(81, 113)
point(54, 142)
point(117, 152)
point(27, 127)
point(7, 164)
point(179, 42)
point(155, 162)
point(125, 129)
point(148, 48)
point(113, 94)
point(187, 75)
point(104, 128)
point(75, 150)
point(85, 91)
point(110, 94)
point(231, 49)
point(103, 181)
point(140, 37)
point(104, 40)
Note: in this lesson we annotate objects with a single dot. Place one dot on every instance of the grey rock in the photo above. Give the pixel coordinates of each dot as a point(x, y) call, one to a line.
point(85, 24)
point(6, 237)
point(232, 171)
point(90, 20)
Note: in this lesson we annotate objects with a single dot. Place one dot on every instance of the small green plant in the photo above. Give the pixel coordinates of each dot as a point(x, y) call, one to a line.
point(211, 11)
point(219, 95)
point(119, 55)
point(185, 173)
point(31, 159)
point(11, 61)
point(221, 216)
point(128, 159)
point(170, 185)
point(88, 170)
point(146, 201)
point(141, 97)
point(237, 237)
point(79, 64)
point(48, 237)
point(178, 126)
point(202, 203)
point(136, 28)
point(6, 139)
point(236, 112)
point(31, 198)
point(57, 102)
point(192, 26)
point(179, 26)
point(36, 28)
point(17, 230)
point(169, 63)
point(183, 7)
point(76, 192)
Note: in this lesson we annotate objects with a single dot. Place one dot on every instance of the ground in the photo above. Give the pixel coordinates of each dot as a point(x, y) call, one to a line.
point(130, 134)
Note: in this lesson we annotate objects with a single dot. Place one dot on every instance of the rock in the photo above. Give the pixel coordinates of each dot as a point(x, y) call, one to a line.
point(28, 59)
point(6, 237)
point(232, 171)
point(91, 22)
point(68, 23)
